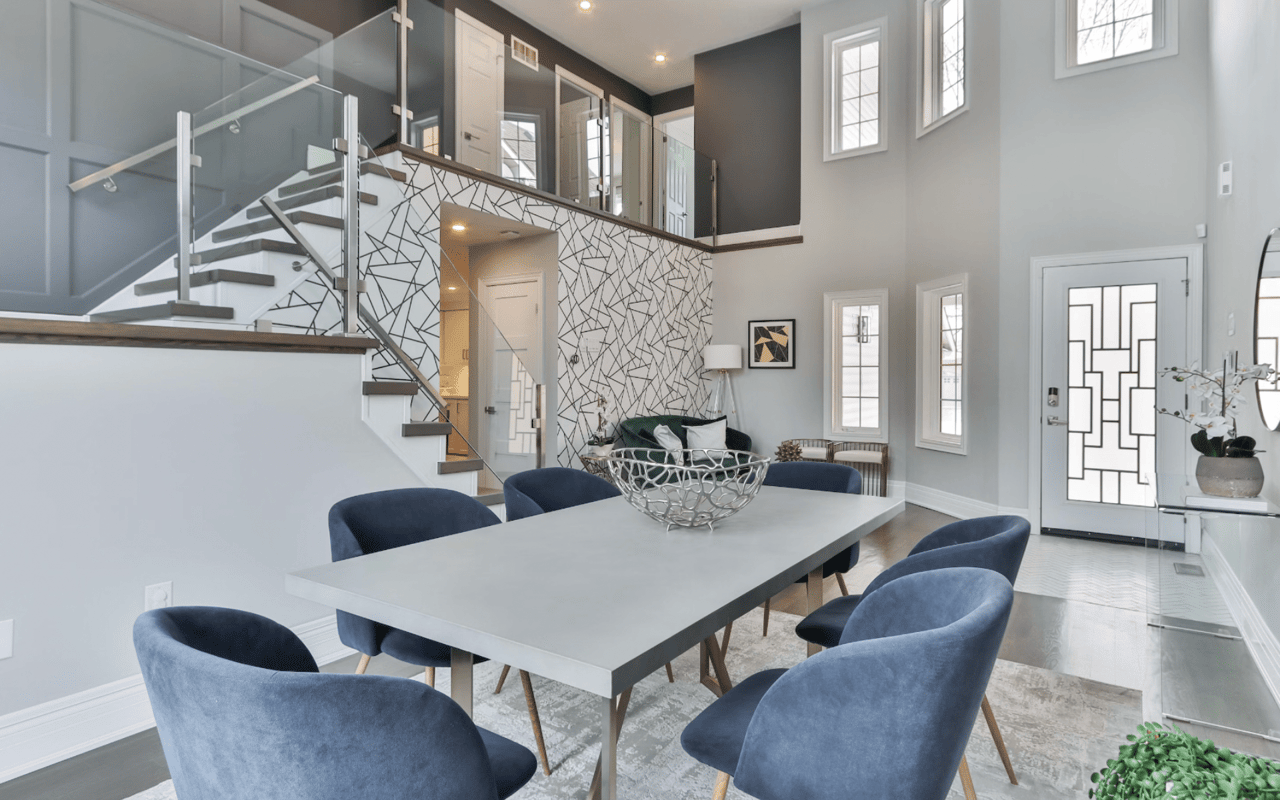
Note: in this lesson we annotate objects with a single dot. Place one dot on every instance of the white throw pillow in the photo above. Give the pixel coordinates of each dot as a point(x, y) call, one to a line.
point(670, 442)
point(709, 437)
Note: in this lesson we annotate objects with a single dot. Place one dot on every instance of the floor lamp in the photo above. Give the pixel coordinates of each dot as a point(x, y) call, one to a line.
point(722, 357)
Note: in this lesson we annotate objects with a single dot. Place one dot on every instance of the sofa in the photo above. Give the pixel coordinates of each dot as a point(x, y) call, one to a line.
point(638, 432)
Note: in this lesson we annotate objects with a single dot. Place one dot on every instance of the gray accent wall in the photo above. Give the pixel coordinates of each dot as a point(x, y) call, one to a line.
point(749, 121)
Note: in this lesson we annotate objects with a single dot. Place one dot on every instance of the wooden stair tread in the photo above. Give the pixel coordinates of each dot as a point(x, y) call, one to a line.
point(426, 429)
point(334, 175)
point(406, 388)
point(164, 311)
point(319, 195)
point(461, 465)
point(269, 224)
point(205, 278)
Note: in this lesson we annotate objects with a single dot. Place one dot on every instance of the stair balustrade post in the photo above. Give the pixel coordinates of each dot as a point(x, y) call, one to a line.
point(351, 215)
point(187, 161)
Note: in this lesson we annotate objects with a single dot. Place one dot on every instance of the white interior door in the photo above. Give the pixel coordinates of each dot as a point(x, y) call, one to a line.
point(480, 80)
point(510, 440)
point(1108, 329)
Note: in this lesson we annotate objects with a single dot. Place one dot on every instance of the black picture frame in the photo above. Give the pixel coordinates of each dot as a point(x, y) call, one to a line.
point(771, 344)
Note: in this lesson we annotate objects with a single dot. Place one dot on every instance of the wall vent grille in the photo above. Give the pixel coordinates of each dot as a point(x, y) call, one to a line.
point(524, 52)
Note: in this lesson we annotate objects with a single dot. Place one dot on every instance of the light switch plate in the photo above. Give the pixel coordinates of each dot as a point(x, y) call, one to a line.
point(158, 595)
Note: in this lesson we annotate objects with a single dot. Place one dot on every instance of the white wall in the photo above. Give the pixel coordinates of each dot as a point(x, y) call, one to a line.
point(1244, 128)
point(125, 467)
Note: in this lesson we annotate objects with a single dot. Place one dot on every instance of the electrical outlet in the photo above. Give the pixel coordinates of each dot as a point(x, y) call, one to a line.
point(6, 639)
point(158, 595)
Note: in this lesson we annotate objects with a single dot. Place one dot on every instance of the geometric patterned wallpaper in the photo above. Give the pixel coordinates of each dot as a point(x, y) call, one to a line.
point(634, 309)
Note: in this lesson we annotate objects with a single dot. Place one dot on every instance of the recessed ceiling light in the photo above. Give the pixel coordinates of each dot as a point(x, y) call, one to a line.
point(661, 58)
point(584, 5)
point(458, 226)
point(453, 288)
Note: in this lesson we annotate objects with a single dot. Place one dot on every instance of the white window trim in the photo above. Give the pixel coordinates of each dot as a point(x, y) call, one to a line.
point(828, 88)
point(1164, 31)
point(928, 333)
point(830, 345)
point(927, 87)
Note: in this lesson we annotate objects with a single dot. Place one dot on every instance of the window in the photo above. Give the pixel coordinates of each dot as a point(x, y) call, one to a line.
point(942, 74)
point(856, 405)
point(853, 83)
point(520, 149)
point(1101, 34)
point(426, 135)
point(941, 379)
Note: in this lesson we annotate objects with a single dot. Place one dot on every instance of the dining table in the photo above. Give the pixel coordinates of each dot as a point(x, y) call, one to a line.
point(598, 596)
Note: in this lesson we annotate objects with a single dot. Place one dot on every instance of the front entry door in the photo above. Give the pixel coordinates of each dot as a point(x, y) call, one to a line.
point(513, 355)
point(1108, 330)
point(481, 60)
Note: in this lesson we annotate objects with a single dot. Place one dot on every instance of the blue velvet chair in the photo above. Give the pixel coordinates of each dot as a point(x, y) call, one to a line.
point(993, 543)
point(886, 714)
point(371, 523)
point(243, 712)
point(818, 477)
point(538, 491)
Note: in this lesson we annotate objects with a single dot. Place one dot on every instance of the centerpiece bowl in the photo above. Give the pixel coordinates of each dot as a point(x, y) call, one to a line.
point(687, 488)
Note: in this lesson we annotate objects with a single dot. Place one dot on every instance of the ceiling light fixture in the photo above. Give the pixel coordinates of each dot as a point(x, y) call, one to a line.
point(661, 58)
point(508, 234)
point(453, 288)
point(458, 226)
point(584, 5)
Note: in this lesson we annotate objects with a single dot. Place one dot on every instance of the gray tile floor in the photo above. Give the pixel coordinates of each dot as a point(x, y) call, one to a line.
point(1080, 609)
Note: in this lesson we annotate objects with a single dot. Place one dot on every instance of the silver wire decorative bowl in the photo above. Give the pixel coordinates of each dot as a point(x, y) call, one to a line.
point(706, 487)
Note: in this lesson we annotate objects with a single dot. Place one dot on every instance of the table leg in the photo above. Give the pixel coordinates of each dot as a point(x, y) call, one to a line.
point(609, 751)
point(623, 699)
point(815, 602)
point(461, 664)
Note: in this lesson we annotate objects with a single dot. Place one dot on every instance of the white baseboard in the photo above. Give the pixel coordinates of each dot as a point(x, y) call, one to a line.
point(1258, 636)
point(947, 503)
point(37, 737)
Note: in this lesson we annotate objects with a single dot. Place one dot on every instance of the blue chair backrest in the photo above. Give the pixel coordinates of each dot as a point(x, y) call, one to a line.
point(538, 491)
point(371, 523)
point(242, 713)
point(994, 543)
point(814, 475)
point(888, 713)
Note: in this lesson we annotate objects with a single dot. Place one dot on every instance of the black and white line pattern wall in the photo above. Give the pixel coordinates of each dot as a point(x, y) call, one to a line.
point(634, 309)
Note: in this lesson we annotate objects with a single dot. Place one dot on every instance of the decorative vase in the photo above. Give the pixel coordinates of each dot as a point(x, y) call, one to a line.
point(601, 449)
point(1229, 477)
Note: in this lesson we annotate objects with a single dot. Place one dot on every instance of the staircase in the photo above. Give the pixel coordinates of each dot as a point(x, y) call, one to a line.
point(244, 267)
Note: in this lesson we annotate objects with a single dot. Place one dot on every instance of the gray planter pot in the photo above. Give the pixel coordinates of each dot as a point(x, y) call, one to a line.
point(1229, 477)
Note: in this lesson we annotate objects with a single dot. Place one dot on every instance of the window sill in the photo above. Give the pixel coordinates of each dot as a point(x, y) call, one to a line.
point(922, 131)
point(861, 151)
point(955, 448)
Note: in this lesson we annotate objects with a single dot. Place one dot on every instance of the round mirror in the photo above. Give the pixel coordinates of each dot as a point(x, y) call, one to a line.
point(1266, 329)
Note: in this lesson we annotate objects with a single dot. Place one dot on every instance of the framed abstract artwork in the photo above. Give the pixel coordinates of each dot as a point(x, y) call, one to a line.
point(773, 344)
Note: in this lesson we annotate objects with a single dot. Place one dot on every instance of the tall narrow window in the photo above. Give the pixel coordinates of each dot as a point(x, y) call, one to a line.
point(857, 404)
point(854, 83)
point(520, 149)
point(1099, 34)
point(941, 380)
point(942, 75)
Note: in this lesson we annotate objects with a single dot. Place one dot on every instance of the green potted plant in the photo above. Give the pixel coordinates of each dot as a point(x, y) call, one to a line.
point(1170, 763)
point(1227, 466)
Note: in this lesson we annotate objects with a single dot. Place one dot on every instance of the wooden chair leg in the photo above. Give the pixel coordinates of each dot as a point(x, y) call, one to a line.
point(431, 677)
point(533, 717)
point(363, 665)
point(995, 734)
point(966, 780)
point(724, 645)
point(766, 616)
point(671, 676)
point(502, 678)
point(722, 786)
point(844, 590)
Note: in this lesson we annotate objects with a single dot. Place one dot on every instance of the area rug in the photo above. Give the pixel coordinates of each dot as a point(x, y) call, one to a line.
point(1058, 728)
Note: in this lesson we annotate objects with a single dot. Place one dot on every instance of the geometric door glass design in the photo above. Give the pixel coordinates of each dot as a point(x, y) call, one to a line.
point(1268, 322)
point(860, 366)
point(1111, 394)
point(521, 437)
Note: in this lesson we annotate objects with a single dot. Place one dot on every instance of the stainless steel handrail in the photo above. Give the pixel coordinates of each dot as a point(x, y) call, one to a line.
point(146, 155)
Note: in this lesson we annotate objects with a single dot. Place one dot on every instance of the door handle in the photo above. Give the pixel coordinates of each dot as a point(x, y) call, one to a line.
point(1055, 421)
point(490, 410)
point(469, 136)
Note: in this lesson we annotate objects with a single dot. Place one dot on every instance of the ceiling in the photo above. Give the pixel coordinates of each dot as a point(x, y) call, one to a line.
point(481, 228)
point(624, 35)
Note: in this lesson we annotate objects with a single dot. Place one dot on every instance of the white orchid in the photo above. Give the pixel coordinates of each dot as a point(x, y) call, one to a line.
point(1222, 391)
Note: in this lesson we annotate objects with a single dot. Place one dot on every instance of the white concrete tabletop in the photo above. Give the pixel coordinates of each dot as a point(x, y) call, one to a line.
point(597, 596)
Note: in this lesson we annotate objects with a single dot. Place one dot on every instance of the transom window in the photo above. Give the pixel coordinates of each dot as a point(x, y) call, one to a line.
point(943, 83)
point(1099, 34)
point(941, 380)
point(856, 404)
point(854, 83)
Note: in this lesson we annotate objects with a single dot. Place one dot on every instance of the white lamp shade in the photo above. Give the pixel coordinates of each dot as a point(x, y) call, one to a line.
point(722, 356)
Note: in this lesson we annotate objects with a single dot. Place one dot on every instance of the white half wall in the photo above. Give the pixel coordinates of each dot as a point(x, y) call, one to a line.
point(125, 467)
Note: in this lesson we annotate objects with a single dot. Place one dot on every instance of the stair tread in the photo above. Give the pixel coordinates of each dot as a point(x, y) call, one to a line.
point(205, 278)
point(461, 465)
point(319, 195)
point(164, 311)
point(495, 498)
point(407, 388)
point(426, 429)
point(334, 175)
point(270, 224)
